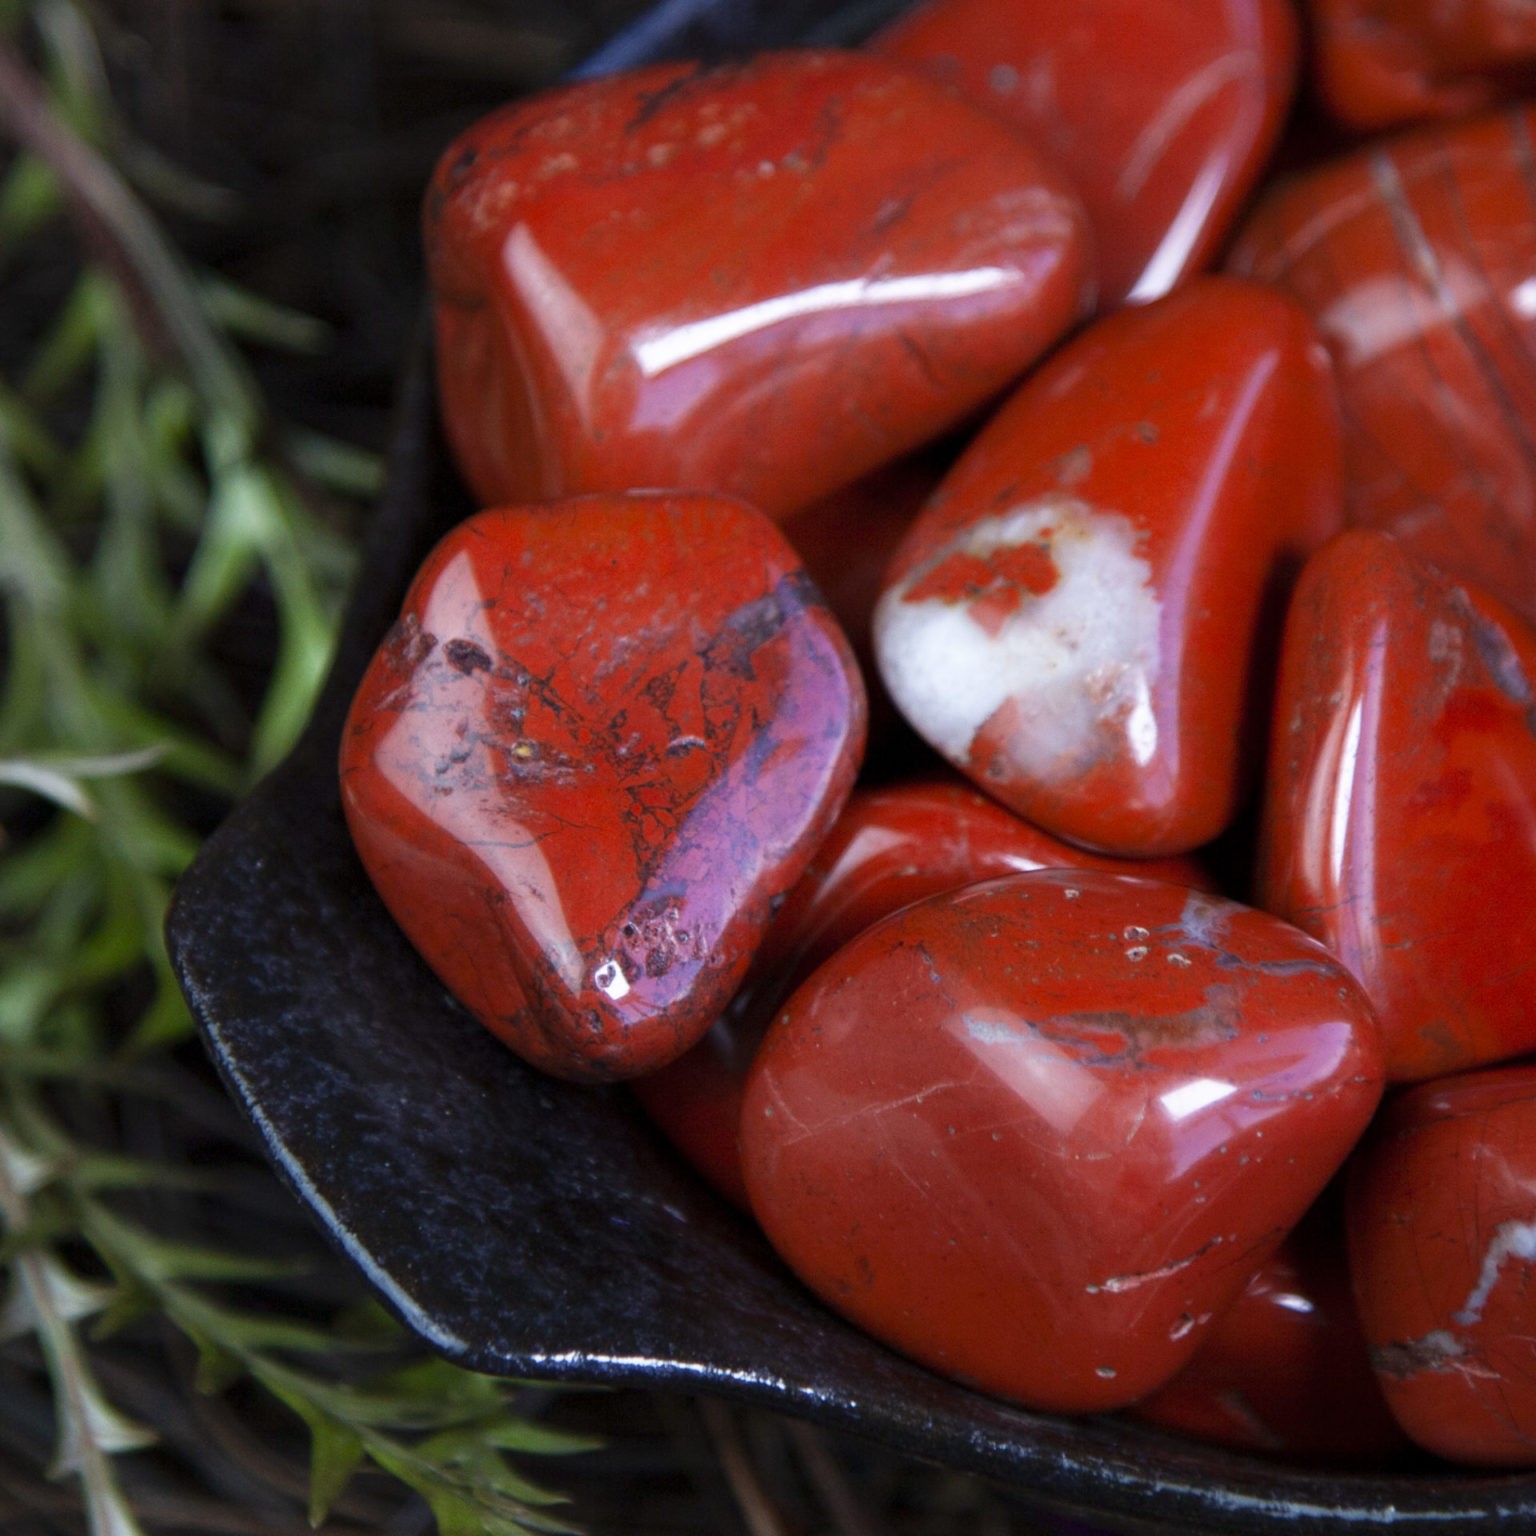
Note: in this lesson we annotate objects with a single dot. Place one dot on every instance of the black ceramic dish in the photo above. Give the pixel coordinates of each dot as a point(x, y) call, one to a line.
point(526, 1227)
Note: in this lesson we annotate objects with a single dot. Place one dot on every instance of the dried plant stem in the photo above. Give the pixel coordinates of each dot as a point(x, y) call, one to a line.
point(848, 1518)
point(756, 1507)
point(127, 243)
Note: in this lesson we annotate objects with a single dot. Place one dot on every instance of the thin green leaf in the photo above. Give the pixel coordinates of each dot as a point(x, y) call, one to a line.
point(26, 1169)
point(56, 776)
point(251, 1332)
point(140, 835)
point(470, 1455)
point(29, 440)
point(97, 1172)
point(516, 1434)
point(228, 553)
point(159, 1261)
point(49, 783)
point(164, 1260)
point(218, 1368)
point(96, 1426)
point(28, 989)
point(46, 1298)
point(338, 466)
point(460, 1509)
point(34, 565)
point(130, 1303)
point(29, 198)
point(247, 316)
point(69, 348)
point(44, 1227)
point(471, 1393)
point(108, 1511)
point(32, 872)
point(185, 757)
point(370, 1406)
point(107, 767)
point(335, 1453)
point(129, 596)
point(335, 1448)
point(50, 1287)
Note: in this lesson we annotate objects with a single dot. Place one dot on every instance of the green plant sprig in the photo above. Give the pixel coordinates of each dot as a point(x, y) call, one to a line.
point(127, 539)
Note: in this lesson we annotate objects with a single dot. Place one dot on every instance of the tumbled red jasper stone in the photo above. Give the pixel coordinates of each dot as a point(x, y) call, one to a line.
point(1400, 806)
point(1284, 1371)
point(761, 278)
point(1417, 258)
point(1038, 1133)
point(599, 745)
point(1163, 115)
point(890, 847)
point(1443, 1254)
point(1381, 62)
point(1082, 616)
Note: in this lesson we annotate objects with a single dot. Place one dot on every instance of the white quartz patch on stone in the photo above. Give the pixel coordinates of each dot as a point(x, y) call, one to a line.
point(1512, 1240)
point(1078, 660)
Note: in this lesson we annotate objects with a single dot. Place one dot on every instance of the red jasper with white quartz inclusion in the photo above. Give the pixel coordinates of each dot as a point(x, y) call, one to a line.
point(1443, 1255)
point(1081, 617)
point(1037, 1134)
point(1415, 255)
point(1284, 1370)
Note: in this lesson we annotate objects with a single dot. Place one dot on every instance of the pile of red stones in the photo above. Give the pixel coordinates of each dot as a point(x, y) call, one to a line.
point(1006, 1073)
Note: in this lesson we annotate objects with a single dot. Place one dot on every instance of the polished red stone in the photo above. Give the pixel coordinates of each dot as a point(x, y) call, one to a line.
point(1417, 259)
point(1385, 62)
point(1162, 115)
point(1038, 1133)
point(1284, 1371)
point(890, 847)
point(1081, 618)
point(763, 278)
point(1443, 1254)
point(601, 742)
point(1400, 809)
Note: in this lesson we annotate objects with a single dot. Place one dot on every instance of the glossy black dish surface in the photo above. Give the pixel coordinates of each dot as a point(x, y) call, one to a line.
point(527, 1227)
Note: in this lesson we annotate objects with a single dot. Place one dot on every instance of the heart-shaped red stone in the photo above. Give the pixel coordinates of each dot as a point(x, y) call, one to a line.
point(1381, 62)
point(890, 847)
point(1038, 1133)
point(1442, 1249)
point(762, 279)
point(1417, 258)
point(1400, 810)
point(1082, 616)
point(1163, 115)
point(581, 773)
point(1284, 1371)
